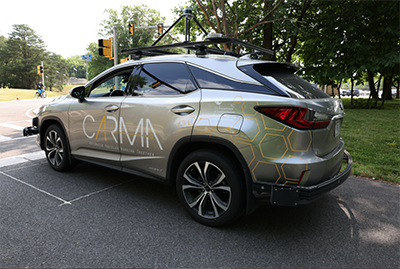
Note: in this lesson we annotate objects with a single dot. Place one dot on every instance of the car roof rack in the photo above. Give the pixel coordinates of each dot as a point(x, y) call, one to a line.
point(200, 47)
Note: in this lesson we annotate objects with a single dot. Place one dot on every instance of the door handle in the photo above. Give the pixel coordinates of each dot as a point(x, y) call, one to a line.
point(182, 110)
point(112, 108)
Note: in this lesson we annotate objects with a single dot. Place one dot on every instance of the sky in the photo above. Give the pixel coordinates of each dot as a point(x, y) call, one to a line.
point(68, 27)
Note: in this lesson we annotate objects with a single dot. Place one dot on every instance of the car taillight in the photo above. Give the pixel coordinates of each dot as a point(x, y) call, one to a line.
point(297, 117)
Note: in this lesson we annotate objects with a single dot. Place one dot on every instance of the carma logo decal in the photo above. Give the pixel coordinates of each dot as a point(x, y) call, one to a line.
point(144, 129)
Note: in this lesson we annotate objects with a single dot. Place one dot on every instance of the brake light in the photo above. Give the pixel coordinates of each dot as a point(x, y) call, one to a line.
point(297, 117)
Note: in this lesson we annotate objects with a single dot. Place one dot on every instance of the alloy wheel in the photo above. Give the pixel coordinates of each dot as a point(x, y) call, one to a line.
point(54, 148)
point(206, 190)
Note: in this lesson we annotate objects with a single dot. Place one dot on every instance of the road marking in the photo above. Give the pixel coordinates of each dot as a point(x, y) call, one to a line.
point(35, 111)
point(36, 188)
point(12, 126)
point(4, 138)
point(40, 155)
point(22, 158)
point(96, 192)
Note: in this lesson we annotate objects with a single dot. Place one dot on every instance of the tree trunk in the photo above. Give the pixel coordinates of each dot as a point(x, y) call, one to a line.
point(268, 33)
point(352, 89)
point(372, 89)
point(306, 4)
point(387, 89)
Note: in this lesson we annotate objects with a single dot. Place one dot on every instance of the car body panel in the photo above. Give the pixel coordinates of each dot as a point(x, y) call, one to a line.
point(146, 139)
point(93, 126)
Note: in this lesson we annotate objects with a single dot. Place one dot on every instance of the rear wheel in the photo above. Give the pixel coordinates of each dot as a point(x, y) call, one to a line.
point(210, 185)
point(56, 148)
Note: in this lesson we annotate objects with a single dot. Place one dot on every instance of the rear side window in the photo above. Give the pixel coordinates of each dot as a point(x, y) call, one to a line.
point(163, 79)
point(209, 80)
point(284, 79)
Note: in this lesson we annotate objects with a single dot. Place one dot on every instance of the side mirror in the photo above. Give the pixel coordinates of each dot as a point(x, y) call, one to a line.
point(79, 93)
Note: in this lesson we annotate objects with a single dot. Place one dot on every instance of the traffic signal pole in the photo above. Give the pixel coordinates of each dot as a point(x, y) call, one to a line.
point(115, 46)
point(43, 76)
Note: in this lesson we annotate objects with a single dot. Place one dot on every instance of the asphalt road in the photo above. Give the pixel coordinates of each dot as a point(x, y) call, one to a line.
point(97, 217)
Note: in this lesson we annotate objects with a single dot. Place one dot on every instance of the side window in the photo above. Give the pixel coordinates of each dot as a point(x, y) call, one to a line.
point(111, 85)
point(163, 79)
point(210, 80)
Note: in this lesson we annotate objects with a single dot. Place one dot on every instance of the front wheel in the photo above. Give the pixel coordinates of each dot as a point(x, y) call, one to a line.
point(210, 185)
point(56, 148)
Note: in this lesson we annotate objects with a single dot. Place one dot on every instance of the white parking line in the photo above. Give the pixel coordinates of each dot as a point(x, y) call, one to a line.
point(96, 192)
point(12, 126)
point(64, 202)
point(22, 158)
point(45, 192)
point(4, 138)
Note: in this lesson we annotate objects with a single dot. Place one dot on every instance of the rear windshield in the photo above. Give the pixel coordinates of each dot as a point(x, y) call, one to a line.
point(284, 79)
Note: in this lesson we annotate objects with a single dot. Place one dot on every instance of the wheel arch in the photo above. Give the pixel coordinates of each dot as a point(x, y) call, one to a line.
point(187, 145)
point(46, 123)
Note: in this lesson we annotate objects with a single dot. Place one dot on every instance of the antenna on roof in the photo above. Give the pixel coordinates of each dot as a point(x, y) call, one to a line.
point(188, 15)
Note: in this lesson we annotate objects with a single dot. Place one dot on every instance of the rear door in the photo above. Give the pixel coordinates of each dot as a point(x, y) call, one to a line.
point(161, 109)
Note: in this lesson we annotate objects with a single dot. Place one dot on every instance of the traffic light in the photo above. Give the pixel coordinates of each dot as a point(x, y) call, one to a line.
point(124, 60)
point(160, 27)
point(131, 29)
point(39, 69)
point(105, 48)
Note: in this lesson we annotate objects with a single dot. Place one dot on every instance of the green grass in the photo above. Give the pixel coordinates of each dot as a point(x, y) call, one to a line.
point(372, 136)
point(11, 94)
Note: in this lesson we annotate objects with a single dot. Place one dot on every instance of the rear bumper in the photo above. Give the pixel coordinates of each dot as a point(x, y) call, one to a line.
point(285, 195)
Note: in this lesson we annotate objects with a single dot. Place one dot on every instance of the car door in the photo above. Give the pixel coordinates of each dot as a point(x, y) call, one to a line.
point(162, 108)
point(93, 123)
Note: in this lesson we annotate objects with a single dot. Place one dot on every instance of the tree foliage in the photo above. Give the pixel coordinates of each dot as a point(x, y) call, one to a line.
point(139, 15)
point(272, 24)
point(19, 56)
point(346, 39)
point(76, 67)
point(21, 53)
point(56, 71)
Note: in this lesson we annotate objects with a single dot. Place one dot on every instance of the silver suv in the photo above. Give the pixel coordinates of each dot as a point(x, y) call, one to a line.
point(229, 132)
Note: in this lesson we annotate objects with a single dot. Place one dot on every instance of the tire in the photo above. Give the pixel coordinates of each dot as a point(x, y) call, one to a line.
point(211, 187)
point(44, 95)
point(36, 95)
point(56, 148)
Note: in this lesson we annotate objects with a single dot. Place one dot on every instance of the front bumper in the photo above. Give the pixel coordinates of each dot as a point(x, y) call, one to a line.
point(31, 130)
point(286, 195)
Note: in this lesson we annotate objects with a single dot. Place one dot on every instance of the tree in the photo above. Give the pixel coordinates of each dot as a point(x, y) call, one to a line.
point(76, 67)
point(98, 63)
point(272, 24)
point(2, 72)
point(348, 38)
point(56, 71)
point(20, 54)
point(140, 16)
